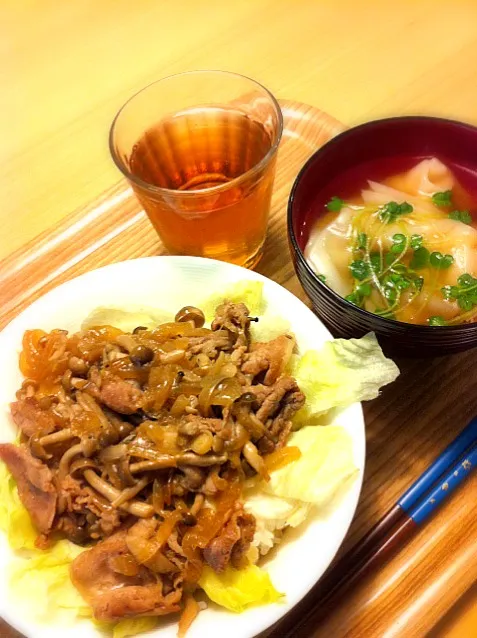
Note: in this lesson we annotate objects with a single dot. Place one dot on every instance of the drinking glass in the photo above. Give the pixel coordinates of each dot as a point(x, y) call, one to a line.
point(199, 150)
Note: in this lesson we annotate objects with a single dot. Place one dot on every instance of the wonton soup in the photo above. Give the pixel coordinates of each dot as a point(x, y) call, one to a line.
point(403, 247)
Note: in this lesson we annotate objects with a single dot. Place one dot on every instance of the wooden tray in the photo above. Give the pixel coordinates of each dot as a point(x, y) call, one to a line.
point(412, 421)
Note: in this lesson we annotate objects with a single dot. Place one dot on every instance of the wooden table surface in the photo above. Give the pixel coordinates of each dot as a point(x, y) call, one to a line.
point(66, 68)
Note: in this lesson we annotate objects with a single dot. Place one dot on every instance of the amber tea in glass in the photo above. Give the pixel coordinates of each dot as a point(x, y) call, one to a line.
point(204, 162)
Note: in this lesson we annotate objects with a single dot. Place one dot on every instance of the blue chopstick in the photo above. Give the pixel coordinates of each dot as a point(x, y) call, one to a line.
point(451, 454)
point(460, 471)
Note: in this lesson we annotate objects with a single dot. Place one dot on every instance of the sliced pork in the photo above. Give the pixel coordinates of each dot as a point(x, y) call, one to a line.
point(120, 395)
point(30, 418)
point(34, 482)
point(99, 575)
point(232, 543)
point(269, 359)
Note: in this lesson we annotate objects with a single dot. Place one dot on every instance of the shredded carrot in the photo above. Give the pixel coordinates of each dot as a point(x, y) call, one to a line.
point(167, 526)
point(189, 614)
point(278, 459)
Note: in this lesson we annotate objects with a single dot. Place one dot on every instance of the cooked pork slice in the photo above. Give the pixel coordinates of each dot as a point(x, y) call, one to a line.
point(210, 344)
point(112, 594)
point(285, 397)
point(278, 404)
point(232, 543)
point(34, 482)
point(137, 600)
point(80, 500)
point(234, 318)
point(194, 424)
point(30, 418)
point(120, 395)
point(269, 358)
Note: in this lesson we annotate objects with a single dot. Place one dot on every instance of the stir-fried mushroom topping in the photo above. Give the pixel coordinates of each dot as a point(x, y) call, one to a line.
point(140, 442)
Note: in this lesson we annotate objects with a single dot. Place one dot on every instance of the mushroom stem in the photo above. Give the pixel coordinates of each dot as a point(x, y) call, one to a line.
point(65, 461)
point(167, 460)
point(252, 455)
point(57, 437)
point(197, 504)
point(137, 508)
point(130, 492)
point(145, 466)
point(188, 458)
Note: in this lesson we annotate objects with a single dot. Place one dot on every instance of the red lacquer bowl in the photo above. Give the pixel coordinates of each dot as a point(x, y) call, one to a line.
point(455, 144)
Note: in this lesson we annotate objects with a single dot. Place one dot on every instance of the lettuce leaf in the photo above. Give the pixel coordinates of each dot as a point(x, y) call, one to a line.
point(44, 579)
point(272, 508)
point(342, 372)
point(237, 589)
point(41, 576)
point(126, 320)
point(249, 292)
point(14, 519)
point(269, 327)
point(325, 466)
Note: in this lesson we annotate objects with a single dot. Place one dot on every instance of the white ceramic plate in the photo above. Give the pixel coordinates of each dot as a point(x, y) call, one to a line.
point(169, 283)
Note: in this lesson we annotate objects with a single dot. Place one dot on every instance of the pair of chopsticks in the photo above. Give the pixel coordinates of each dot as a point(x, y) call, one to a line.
point(404, 518)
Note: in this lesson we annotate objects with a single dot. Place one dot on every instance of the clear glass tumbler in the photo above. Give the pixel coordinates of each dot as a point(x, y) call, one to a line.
point(199, 150)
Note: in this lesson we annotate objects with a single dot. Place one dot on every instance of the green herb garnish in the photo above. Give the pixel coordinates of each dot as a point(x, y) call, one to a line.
point(393, 273)
point(321, 277)
point(359, 269)
point(440, 261)
point(465, 292)
point(392, 210)
point(364, 290)
point(389, 276)
point(359, 293)
point(461, 216)
point(420, 258)
point(416, 241)
point(399, 243)
point(442, 199)
point(362, 241)
point(335, 204)
point(437, 321)
point(375, 262)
